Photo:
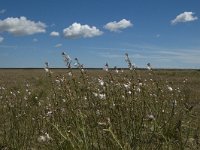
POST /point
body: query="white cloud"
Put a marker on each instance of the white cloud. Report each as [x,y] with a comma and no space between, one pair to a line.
[54,33]
[157,35]
[58,45]
[76,30]
[21,26]
[35,40]
[117,26]
[2,11]
[184,17]
[1,39]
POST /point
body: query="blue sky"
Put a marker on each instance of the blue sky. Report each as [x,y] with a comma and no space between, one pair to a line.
[164,33]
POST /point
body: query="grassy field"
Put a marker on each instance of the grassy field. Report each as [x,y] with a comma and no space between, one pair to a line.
[98,109]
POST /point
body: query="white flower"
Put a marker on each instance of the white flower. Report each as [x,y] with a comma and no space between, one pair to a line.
[75,64]
[150,117]
[140,84]
[98,112]
[47,136]
[46,69]
[49,113]
[57,81]
[101,82]
[128,85]
[70,74]
[102,96]
[106,69]
[44,138]
[169,88]
[41,138]
[138,89]
[95,94]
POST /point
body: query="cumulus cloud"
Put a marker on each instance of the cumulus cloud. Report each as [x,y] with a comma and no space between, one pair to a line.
[117,26]
[2,11]
[35,40]
[157,35]
[184,17]
[76,30]
[21,26]
[54,33]
[58,45]
[1,39]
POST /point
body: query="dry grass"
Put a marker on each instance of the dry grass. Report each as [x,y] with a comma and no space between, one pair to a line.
[83,109]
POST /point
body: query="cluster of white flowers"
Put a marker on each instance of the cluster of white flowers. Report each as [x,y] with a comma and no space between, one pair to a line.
[44,138]
[99,95]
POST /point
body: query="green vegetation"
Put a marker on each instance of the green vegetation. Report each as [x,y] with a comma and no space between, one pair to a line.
[110,109]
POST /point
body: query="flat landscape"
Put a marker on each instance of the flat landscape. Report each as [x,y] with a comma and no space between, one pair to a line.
[98,109]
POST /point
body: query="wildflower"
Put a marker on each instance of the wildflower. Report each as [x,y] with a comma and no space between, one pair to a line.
[82,70]
[101,82]
[102,123]
[169,88]
[42,138]
[138,89]
[57,81]
[150,117]
[70,74]
[127,86]
[116,70]
[98,112]
[2,88]
[130,65]
[49,113]
[46,70]
[174,102]
[149,66]
[95,94]
[102,96]
[46,67]
[106,67]
[67,59]
[47,136]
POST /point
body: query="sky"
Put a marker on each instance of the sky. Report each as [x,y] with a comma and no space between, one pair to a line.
[165,33]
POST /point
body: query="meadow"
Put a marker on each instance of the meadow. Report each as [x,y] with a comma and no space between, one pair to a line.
[84,109]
